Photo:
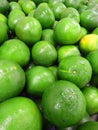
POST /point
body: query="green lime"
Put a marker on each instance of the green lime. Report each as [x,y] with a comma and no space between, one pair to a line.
[12,79]
[44,15]
[28,6]
[13,17]
[58,9]
[20,113]
[92,58]
[44,53]
[29,30]
[90,125]
[67,31]
[14,5]
[67,50]
[54,70]
[88,43]
[3,18]
[88,19]
[71,13]
[51,3]
[72,3]
[95,31]
[76,69]
[63,104]
[84,32]
[15,50]
[3,32]
[4,6]
[48,35]
[91,95]
[38,79]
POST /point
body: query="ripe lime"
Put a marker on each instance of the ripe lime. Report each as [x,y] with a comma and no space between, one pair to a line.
[14,5]
[58,9]
[28,6]
[15,50]
[29,30]
[90,125]
[71,13]
[3,18]
[63,104]
[48,35]
[88,43]
[38,79]
[4,6]
[76,69]
[92,58]
[3,32]
[13,17]
[67,31]
[67,50]
[44,15]
[91,95]
[44,53]
[20,113]
[12,79]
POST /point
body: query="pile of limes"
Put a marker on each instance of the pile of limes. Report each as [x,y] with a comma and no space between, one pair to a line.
[48,64]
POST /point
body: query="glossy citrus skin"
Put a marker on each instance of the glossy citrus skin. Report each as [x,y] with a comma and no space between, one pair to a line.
[13,17]
[44,15]
[88,43]
[72,13]
[63,104]
[91,95]
[69,69]
[38,79]
[44,53]
[20,113]
[92,58]
[67,31]
[89,125]
[67,50]
[28,30]
[3,32]
[12,79]
[15,50]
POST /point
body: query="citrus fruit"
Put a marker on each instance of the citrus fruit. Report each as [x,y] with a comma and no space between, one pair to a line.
[90,125]
[67,50]
[15,50]
[76,69]
[3,32]
[88,19]
[38,79]
[88,43]
[3,18]
[48,35]
[91,95]
[12,79]
[95,31]
[51,3]
[71,13]
[72,3]
[4,6]
[44,15]
[57,9]
[20,113]
[14,5]
[28,6]
[63,104]
[29,30]
[92,58]
[13,17]
[54,70]
[43,53]
[67,31]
